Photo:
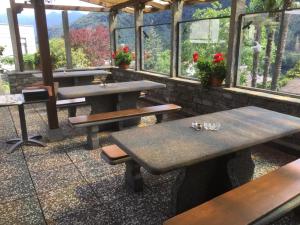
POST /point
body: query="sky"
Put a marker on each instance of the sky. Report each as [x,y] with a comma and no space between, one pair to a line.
[5,4]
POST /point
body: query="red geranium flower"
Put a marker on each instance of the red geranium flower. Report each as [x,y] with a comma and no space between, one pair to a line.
[218,58]
[126,49]
[195,56]
[113,55]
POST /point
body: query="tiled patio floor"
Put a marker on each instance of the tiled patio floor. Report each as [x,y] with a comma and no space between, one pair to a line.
[66,184]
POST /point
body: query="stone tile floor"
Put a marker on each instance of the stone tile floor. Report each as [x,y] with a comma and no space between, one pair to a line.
[66,184]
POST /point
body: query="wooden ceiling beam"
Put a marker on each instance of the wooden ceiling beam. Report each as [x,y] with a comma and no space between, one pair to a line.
[64,7]
[128,4]
[158,5]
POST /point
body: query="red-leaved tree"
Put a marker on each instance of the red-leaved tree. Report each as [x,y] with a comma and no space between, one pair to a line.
[94,41]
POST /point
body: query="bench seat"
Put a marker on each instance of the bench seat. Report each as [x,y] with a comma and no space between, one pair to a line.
[260,201]
[71,104]
[114,155]
[108,117]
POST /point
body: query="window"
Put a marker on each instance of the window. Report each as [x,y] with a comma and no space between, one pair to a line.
[206,37]
[126,37]
[156,47]
[260,58]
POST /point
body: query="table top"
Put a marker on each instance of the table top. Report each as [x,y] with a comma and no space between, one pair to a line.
[66,74]
[10,100]
[111,88]
[172,145]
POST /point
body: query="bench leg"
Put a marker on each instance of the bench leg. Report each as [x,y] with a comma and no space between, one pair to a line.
[159,118]
[92,137]
[133,176]
[72,111]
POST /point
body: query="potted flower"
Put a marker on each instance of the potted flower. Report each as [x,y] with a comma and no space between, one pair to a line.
[218,71]
[123,57]
[211,72]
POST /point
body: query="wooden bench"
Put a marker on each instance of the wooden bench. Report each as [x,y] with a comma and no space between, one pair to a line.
[114,155]
[261,201]
[71,104]
[91,122]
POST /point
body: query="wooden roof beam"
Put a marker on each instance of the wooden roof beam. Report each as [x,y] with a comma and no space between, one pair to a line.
[128,4]
[158,5]
[64,7]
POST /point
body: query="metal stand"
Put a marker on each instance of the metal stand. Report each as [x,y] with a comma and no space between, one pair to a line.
[24,139]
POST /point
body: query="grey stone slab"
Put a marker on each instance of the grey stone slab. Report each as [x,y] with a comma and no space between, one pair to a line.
[67,74]
[21,211]
[10,169]
[15,188]
[109,89]
[175,144]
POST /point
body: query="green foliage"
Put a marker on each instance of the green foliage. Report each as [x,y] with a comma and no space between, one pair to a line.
[216,10]
[7,60]
[1,50]
[204,72]
[58,55]
[219,70]
[163,62]
[123,56]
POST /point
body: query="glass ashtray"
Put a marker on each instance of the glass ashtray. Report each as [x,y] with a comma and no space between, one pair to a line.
[209,126]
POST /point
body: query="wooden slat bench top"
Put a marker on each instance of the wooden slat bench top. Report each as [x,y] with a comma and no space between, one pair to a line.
[113,152]
[248,203]
[123,114]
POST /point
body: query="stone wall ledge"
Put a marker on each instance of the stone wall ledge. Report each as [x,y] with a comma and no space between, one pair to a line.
[264,95]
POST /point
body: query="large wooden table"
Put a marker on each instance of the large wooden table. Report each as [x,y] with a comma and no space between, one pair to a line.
[210,162]
[72,78]
[112,96]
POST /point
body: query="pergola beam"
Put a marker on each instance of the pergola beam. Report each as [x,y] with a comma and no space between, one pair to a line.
[64,7]
[128,4]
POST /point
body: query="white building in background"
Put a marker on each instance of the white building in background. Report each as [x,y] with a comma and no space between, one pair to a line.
[28,40]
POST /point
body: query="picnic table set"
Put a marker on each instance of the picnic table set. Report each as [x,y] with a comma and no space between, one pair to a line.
[211,152]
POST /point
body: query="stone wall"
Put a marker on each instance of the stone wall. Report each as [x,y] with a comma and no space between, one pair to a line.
[19,80]
[196,100]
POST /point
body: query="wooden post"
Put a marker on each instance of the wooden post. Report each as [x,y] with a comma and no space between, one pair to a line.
[177,9]
[42,34]
[65,21]
[15,35]
[139,21]
[237,8]
[112,31]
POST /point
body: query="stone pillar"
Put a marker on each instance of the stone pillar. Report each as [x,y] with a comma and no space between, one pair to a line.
[237,8]
[15,36]
[112,27]
[67,40]
[139,21]
[177,9]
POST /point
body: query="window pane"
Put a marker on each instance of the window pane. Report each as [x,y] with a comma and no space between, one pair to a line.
[206,37]
[156,41]
[263,63]
[126,37]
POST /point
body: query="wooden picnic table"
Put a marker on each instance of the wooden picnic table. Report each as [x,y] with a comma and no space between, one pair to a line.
[210,162]
[112,96]
[72,78]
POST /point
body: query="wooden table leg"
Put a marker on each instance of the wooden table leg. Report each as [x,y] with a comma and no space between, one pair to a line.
[201,182]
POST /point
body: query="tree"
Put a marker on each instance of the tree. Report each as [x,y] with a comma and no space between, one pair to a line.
[94,41]
[283,33]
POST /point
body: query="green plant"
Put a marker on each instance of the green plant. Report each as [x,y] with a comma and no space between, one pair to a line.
[208,69]
[7,60]
[123,56]
[29,60]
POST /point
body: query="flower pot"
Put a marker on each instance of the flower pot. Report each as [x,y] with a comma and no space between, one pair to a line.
[124,66]
[216,82]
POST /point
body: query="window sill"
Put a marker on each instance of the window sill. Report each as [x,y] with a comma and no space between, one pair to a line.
[264,95]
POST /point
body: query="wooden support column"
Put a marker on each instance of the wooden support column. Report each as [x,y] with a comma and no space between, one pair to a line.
[65,21]
[112,31]
[139,21]
[42,34]
[237,8]
[177,9]
[15,35]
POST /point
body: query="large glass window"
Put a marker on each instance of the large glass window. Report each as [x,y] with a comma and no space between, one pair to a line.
[156,47]
[270,52]
[204,37]
[126,37]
